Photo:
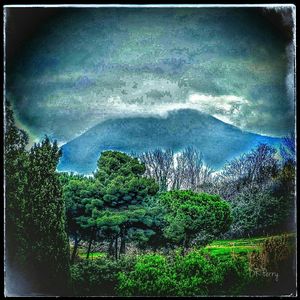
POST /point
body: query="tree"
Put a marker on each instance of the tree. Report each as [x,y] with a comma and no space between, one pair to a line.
[155,222]
[190,170]
[88,221]
[287,175]
[193,217]
[81,196]
[288,149]
[15,173]
[124,190]
[250,170]
[45,220]
[160,166]
[182,170]
[285,181]
[258,212]
[259,190]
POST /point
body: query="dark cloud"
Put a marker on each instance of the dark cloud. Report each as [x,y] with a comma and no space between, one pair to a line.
[89,65]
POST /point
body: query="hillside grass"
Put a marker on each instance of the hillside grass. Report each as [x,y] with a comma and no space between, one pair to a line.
[238,246]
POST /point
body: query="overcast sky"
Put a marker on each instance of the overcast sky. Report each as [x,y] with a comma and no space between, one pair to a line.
[85,66]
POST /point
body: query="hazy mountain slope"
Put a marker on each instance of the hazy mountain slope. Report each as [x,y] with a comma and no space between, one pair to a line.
[218,141]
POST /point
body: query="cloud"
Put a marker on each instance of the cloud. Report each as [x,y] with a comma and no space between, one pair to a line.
[225,62]
[225,107]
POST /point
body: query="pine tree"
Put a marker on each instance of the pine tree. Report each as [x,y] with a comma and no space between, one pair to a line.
[124,189]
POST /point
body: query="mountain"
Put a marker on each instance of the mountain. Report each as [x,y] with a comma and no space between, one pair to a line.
[217,140]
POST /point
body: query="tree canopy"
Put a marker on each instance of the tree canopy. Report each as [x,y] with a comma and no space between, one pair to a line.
[194,217]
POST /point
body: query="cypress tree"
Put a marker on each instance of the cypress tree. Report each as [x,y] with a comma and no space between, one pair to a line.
[45,221]
[15,174]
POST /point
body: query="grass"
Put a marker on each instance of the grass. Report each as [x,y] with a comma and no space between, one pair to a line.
[238,247]
[92,255]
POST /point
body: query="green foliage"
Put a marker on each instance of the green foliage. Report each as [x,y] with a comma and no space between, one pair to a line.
[15,166]
[82,196]
[238,247]
[120,205]
[48,245]
[114,163]
[197,273]
[124,190]
[98,277]
[284,187]
[37,243]
[83,199]
[110,205]
[192,275]
[261,192]
[122,181]
[154,220]
[258,212]
[193,217]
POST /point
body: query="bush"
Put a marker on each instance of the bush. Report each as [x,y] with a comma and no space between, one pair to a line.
[149,277]
[236,276]
[276,251]
[98,277]
[192,275]
[195,274]
[275,264]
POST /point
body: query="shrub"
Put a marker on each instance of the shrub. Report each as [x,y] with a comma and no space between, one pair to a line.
[192,275]
[275,264]
[149,277]
[98,277]
[275,252]
[236,276]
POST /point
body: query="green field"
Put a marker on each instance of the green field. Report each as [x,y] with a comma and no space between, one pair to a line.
[238,246]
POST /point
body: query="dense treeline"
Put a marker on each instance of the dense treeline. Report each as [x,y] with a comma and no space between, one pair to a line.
[138,200]
[148,215]
[120,205]
[259,185]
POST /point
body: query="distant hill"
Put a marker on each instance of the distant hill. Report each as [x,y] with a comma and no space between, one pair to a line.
[217,140]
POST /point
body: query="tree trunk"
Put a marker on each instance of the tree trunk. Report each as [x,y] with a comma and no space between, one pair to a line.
[90,244]
[123,245]
[116,247]
[76,243]
[110,247]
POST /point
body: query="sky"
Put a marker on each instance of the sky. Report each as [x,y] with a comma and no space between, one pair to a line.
[88,65]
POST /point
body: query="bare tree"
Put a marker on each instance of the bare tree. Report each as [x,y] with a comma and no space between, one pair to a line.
[251,169]
[159,165]
[191,171]
[183,170]
[288,149]
[178,177]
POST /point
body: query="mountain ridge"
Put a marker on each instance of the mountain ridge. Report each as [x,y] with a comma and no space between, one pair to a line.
[218,141]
